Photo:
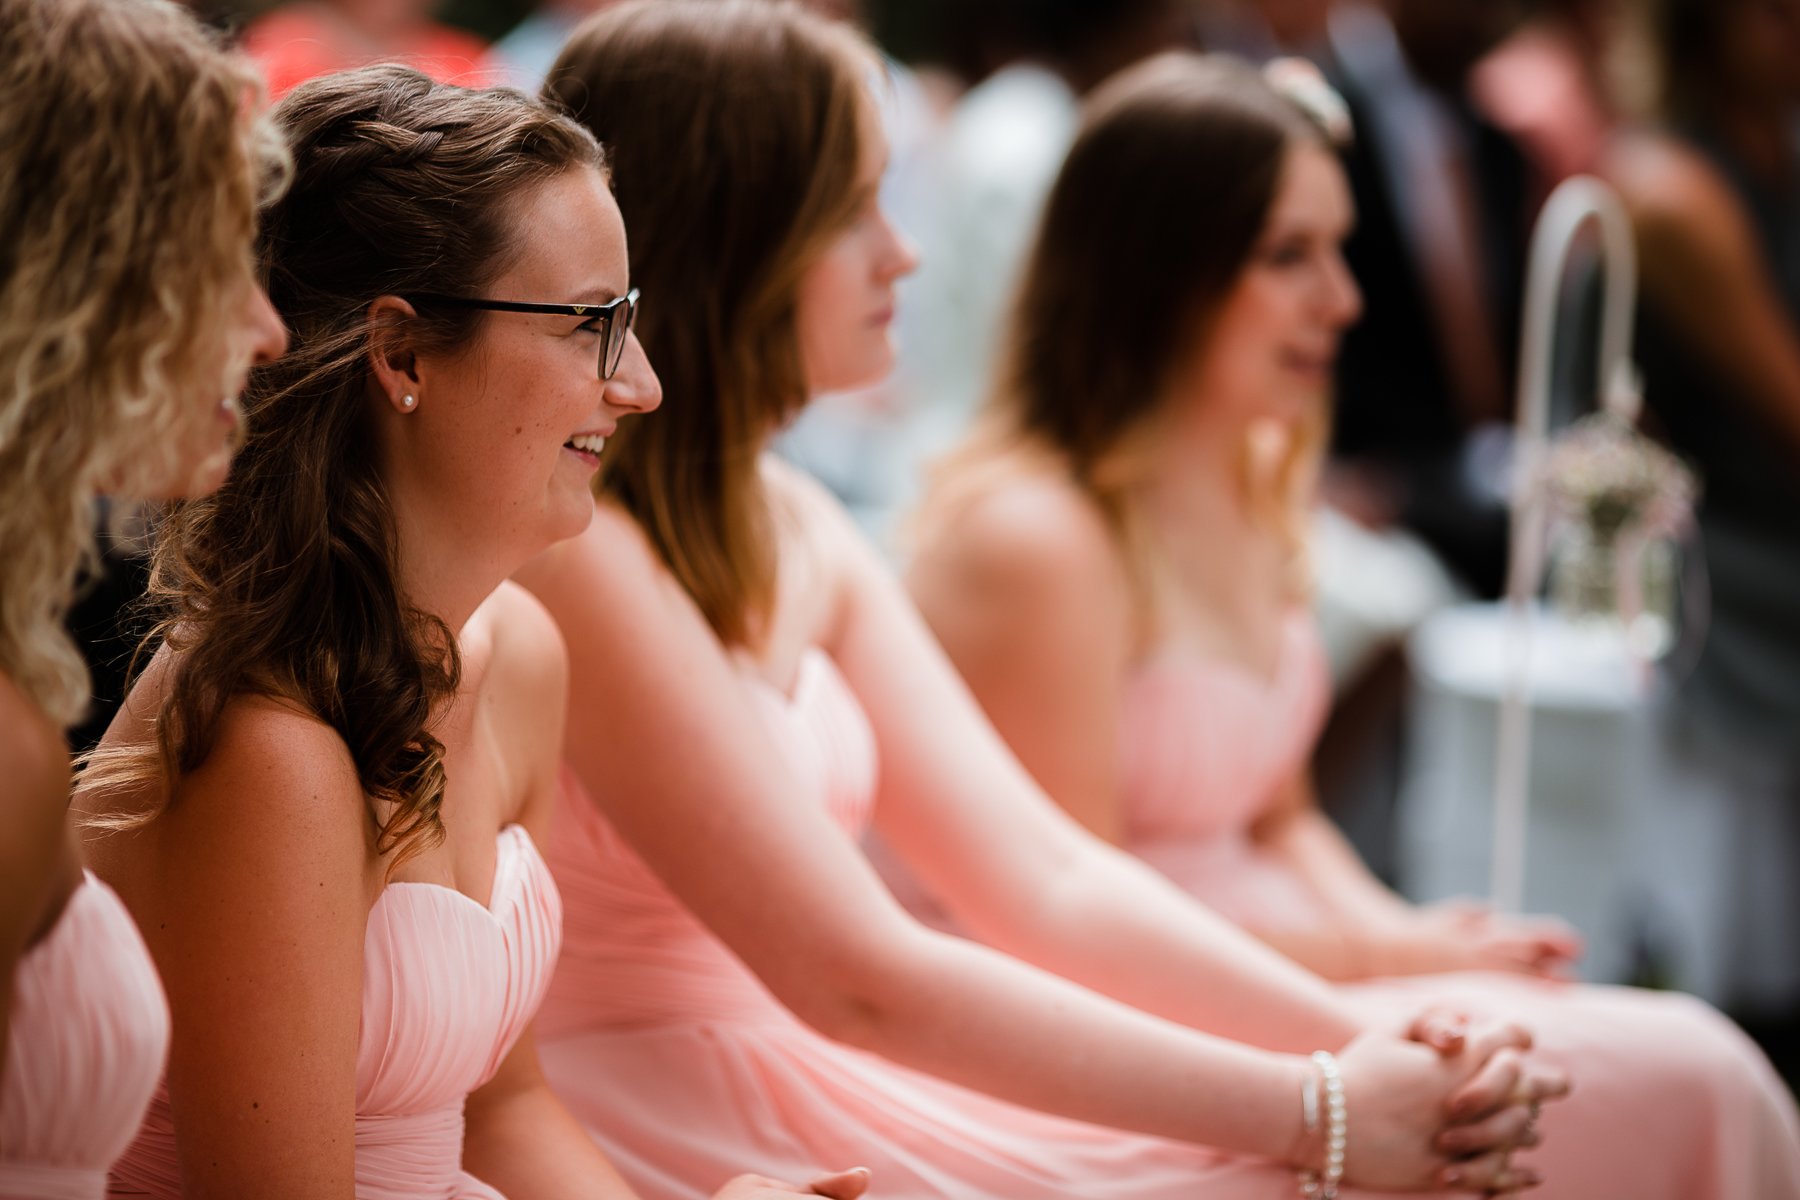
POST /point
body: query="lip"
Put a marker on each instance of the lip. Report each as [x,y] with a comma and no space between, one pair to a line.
[588,458]
[1315,364]
[882,317]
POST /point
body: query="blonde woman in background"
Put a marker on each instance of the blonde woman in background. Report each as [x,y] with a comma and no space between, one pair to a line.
[133,159]
[1116,565]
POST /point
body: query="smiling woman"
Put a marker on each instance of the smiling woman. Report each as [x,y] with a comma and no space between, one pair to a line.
[321,798]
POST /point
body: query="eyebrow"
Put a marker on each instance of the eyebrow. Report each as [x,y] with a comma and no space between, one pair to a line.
[597,294]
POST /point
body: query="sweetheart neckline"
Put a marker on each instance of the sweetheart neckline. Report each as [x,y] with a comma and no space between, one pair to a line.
[490,908]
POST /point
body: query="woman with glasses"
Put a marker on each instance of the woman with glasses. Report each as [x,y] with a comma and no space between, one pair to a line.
[750,688]
[1116,563]
[324,797]
[133,158]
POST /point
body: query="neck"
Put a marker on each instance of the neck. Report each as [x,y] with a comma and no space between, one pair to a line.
[441,572]
[1193,509]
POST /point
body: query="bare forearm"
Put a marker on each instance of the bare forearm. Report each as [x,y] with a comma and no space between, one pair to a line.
[1042,1042]
[1322,858]
[1114,925]
[528,1146]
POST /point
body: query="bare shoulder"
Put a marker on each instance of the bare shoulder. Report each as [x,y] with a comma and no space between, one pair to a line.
[1669,186]
[605,561]
[1029,535]
[34,759]
[529,653]
[277,797]
[34,854]
[793,491]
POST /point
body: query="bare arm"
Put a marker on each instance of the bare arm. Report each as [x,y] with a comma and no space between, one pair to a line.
[518,1135]
[37,864]
[1024,591]
[1374,932]
[1704,269]
[664,735]
[978,831]
[253,893]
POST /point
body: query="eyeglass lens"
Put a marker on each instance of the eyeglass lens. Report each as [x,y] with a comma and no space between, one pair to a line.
[618,325]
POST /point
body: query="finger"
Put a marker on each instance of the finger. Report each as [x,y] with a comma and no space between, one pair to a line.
[1447,1035]
[1444,1030]
[1539,1082]
[1487,1037]
[1490,1088]
[844,1185]
[1489,1174]
[1505,1131]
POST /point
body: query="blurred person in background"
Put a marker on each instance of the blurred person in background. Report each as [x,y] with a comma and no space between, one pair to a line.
[1559,85]
[1117,563]
[1714,194]
[523,56]
[304,38]
[1439,248]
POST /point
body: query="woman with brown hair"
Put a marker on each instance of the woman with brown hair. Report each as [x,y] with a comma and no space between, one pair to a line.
[750,688]
[1116,563]
[323,797]
[133,158]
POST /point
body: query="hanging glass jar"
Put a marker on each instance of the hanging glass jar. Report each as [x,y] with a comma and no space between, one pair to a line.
[1619,505]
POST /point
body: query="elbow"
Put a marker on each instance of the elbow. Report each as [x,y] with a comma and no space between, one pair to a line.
[866,995]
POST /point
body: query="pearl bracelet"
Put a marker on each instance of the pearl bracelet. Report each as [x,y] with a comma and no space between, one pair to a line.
[1323,1185]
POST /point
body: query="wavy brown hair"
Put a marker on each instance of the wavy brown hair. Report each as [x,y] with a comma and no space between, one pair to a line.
[284,582]
[132,164]
[735,133]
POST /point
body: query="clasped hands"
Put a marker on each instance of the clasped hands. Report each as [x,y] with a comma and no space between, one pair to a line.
[1443,1106]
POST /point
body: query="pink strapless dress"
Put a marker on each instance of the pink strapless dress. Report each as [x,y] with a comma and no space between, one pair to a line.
[688,1071]
[1671,1100]
[448,986]
[87,1037]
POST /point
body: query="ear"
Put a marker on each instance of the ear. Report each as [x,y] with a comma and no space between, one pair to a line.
[393,367]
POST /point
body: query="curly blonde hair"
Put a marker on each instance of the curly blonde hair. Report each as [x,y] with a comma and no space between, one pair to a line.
[133,161]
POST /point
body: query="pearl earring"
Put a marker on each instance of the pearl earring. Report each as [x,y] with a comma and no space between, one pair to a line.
[408,402]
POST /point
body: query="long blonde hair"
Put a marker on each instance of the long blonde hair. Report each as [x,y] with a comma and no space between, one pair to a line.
[735,136]
[132,166]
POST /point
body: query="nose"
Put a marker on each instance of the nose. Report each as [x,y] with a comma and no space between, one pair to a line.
[1343,298]
[268,336]
[900,253]
[634,387]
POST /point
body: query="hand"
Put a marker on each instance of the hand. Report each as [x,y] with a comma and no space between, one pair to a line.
[1404,1096]
[1462,936]
[844,1185]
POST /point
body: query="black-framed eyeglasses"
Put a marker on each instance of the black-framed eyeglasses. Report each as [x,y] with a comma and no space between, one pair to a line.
[612,343]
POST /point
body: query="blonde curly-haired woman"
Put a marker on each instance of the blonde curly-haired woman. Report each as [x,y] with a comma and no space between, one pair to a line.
[133,159]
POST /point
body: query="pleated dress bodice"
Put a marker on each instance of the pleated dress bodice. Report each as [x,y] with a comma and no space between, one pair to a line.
[448,986]
[87,1036]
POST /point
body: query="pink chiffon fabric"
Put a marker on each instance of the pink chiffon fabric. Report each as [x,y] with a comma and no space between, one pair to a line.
[87,1035]
[448,986]
[687,1070]
[1671,1099]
